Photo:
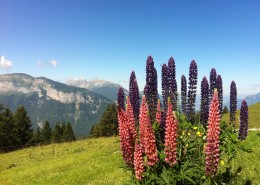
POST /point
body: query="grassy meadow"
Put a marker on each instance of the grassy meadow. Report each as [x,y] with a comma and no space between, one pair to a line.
[95,161]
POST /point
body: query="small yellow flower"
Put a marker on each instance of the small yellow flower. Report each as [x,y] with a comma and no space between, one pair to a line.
[188,134]
[222,162]
[195,128]
[183,133]
[181,137]
[198,133]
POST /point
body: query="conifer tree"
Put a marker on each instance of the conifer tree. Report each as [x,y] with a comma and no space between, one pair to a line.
[22,127]
[57,133]
[68,134]
[37,138]
[46,133]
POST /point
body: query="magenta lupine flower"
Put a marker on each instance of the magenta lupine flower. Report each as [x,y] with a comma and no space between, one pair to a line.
[126,140]
[233,103]
[213,132]
[134,94]
[147,135]
[138,162]
[170,149]
[183,93]
[158,113]
[243,121]
[193,76]
[121,98]
[204,105]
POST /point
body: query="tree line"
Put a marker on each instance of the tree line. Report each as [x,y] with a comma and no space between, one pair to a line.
[16,131]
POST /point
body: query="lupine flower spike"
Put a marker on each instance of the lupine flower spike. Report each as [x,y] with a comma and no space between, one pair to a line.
[138,162]
[213,132]
[170,149]
[147,135]
[243,121]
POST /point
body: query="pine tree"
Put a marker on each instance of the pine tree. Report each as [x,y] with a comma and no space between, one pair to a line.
[37,138]
[46,133]
[68,134]
[57,133]
[22,127]
[225,110]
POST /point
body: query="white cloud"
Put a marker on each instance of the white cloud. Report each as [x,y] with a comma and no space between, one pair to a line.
[5,64]
[39,63]
[53,63]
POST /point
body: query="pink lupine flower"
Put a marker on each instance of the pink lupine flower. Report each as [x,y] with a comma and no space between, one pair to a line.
[126,140]
[147,135]
[158,113]
[131,120]
[138,162]
[213,132]
[171,136]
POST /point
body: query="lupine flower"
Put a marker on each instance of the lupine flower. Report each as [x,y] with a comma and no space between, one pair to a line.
[138,162]
[126,140]
[170,149]
[172,84]
[131,120]
[204,101]
[134,94]
[121,98]
[212,82]
[162,125]
[193,76]
[158,113]
[165,93]
[243,121]
[183,93]
[213,132]
[151,91]
[219,86]
[233,103]
[147,135]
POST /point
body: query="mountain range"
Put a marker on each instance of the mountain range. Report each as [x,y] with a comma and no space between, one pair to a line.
[45,99]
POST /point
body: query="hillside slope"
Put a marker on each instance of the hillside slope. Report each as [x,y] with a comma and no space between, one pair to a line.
[45,99]
[253,113]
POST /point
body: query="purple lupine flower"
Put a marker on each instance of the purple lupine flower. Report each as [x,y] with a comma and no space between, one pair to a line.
[193,76]
[243,121]
[204,101]
[165,93]
[213,132]
[219,86]
[163,125]
[183,93]
[121,98]
[134,94]
[212,82]
[172,83]
[233,103]
[151,91]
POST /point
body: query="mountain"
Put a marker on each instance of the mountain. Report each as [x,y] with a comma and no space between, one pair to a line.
[105,88]
[250,99]
[45,99]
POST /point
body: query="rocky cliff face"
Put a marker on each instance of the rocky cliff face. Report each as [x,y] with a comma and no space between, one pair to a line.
[45,99]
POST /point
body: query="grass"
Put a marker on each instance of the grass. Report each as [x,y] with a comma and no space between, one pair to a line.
[94,162]
[253,113]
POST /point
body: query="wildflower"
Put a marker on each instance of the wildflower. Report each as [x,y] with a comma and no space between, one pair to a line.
[131,119]
[213,132]
[222,162]
[195,128]
[138,162]
[243,121]
[188,134]
[183,133]
[198,133]
[171,136]
[147,135]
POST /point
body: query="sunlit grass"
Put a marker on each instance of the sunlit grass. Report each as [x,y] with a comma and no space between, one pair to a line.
[95,161]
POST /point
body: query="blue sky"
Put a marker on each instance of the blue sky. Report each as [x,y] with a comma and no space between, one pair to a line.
[65,39]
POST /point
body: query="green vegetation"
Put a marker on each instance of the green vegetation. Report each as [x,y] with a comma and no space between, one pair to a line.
[253,114]
[96,161]
[91,161]
[107,125]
